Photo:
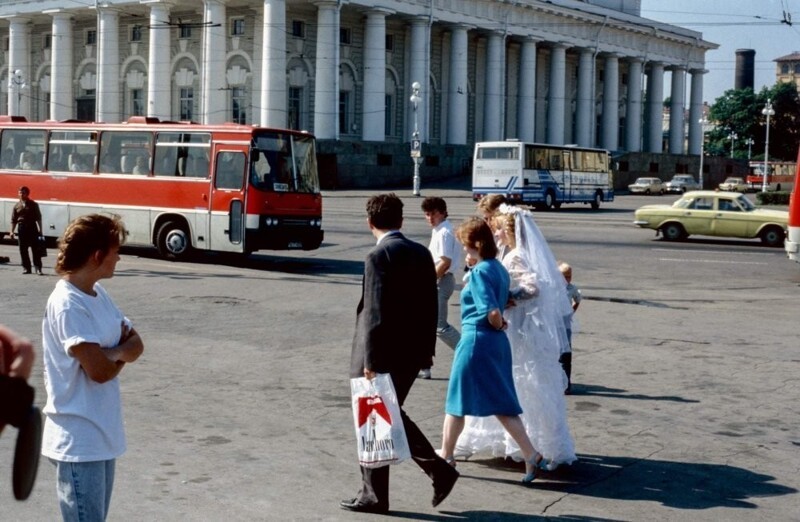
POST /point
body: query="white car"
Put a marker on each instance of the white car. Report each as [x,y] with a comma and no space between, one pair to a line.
[682,183]
[734,185]
[646,186]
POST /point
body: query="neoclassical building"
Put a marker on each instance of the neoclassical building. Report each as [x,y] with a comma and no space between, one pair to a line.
[588,72]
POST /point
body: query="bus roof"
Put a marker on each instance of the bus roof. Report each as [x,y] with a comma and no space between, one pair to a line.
[514,142]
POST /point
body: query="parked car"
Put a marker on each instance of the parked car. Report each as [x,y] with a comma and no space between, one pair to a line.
[646,186]
[712,213]
[734,185]
[682,183]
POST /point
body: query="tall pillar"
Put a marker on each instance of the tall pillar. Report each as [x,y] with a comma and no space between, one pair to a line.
[459,92]
[215,109]
[61,77]
[526,110]
[373,117]
[556,97]
[495,70]
[611,102]
[696,112]
[326,84]
[108,86]
[158,67]
[676,107]
[273,65]
[419,71]
[584,117]
[633,109]
[655,100]
[19,59]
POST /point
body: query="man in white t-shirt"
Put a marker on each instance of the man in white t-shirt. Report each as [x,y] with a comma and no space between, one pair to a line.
[446,252]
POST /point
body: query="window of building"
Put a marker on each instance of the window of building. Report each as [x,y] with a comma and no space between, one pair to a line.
[785,68]
[238,105]
[187,103]
[91,37]
[137,102]
[296,108]
[185,31]
[298,29]
[237,27]
[5,43]
[389,115]
[389,42]
[653,167]
[797,68]
[344,112]
[136,33]
[345,36]
[47,41]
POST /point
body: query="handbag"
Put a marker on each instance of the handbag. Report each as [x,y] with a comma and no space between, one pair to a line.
[41,246]
[380,435]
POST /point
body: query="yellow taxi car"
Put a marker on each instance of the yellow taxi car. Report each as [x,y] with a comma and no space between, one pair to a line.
[712,213]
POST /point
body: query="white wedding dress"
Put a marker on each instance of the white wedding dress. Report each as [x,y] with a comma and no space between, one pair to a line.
[537,334]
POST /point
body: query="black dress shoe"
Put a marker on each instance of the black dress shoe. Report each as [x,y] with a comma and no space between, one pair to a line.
[26,272]
[354,504]
[442,486]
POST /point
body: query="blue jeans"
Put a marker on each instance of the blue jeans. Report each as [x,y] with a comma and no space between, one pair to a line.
[84,489]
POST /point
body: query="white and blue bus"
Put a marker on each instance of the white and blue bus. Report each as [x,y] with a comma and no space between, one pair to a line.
[544,176]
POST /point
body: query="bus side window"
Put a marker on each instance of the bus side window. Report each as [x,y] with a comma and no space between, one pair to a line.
[230,170]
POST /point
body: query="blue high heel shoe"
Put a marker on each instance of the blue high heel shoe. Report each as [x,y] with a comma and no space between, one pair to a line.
[535,464]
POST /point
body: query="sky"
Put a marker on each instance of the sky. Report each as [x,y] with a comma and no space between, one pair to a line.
[734,24]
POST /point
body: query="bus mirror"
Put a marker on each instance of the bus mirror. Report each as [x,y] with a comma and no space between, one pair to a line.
[255,153]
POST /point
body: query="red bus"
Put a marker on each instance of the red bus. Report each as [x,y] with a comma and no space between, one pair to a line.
[178,186]
[792,243]
[779,177]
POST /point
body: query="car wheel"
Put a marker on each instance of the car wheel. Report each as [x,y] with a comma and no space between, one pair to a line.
[173,241]
[598,198]
[661,193]
[673,231]
[683,189]
[773,236]
[647,192]
[549,200]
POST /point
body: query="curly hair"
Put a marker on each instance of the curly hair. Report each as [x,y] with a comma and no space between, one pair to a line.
[489,203]
[506,222]
[86,235]
[475,233]
[385,211]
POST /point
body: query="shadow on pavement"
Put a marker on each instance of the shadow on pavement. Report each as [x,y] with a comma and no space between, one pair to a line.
[488,516]
[679,485]
[603,391]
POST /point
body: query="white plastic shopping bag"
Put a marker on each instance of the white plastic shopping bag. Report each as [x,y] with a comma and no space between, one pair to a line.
[380,434]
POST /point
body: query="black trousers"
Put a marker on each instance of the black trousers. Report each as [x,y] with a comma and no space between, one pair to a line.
[375,481]
[27,238]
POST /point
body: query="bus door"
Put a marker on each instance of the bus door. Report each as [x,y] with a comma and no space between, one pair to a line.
[226,220]
[566,177]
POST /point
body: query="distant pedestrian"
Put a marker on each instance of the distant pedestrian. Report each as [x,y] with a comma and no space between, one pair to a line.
[574,295]
[26,219]
[447,253]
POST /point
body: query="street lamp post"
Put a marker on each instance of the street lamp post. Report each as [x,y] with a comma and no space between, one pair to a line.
[416,144]
[16,82]
[749,142]
[732,136]
[703,122]
[766,111]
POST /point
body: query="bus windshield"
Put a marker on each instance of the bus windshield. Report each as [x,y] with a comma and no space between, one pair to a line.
[283,162]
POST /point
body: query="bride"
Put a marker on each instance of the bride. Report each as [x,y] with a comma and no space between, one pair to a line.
[537,333]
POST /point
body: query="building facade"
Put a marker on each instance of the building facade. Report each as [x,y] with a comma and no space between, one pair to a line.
[588,72]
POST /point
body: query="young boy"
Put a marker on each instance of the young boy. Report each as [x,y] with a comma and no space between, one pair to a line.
[574,295]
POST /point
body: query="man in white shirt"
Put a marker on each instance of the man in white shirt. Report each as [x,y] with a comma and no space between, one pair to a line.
[446,252]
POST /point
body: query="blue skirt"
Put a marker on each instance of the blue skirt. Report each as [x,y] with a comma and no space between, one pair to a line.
[481,381]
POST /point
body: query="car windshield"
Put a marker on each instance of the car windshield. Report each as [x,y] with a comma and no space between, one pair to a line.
[284,162]
[745,203]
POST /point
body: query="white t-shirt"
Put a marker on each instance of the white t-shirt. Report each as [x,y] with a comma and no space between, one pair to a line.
[84,417]
[444,244]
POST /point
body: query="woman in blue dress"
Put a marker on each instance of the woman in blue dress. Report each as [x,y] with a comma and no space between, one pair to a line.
[481,380]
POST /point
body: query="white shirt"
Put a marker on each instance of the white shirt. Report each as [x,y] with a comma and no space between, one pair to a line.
[84,417]
[444,244]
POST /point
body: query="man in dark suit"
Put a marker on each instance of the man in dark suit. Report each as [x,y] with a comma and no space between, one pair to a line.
[396,334]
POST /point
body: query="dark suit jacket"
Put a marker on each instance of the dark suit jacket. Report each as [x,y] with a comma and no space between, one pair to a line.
[396,318]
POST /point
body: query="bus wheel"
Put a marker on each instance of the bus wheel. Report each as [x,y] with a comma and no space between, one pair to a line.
[673,232]
[773,236]
[173,241]
[598,198]
[549,200]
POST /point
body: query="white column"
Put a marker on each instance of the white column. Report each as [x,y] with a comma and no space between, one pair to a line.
[273,65]
[419,71]
[556,100]
[696,112]
[108,86]
[655,100]
[373,117]
[459,93]
[633,109]
[159,81]
[584,117]
[61,77]
[495,69]
[611,102]
[676,107]
[19,59]
[527,92]
[215,97]
[326,90]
